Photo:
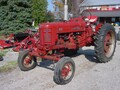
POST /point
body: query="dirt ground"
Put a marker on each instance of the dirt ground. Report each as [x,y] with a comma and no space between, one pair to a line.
[89,74]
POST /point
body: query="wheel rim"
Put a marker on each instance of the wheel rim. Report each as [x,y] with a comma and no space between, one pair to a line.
[28,62]
[109,43]
[67,71]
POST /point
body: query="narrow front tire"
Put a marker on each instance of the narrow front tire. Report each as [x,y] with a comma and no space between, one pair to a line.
[25,61]
[64,71]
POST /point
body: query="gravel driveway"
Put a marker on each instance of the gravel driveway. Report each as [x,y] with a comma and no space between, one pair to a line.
[89,75]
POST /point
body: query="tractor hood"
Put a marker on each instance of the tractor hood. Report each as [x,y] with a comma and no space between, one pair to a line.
[64,26]
[52,24]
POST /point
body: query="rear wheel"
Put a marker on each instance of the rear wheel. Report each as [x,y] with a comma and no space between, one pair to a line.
[25,61]
[64,71]
[105,43]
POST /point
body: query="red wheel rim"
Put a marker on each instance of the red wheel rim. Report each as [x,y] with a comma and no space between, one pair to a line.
[67,71]
[109,43]
[28,61]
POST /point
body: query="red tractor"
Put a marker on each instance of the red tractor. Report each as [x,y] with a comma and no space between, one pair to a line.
[58,40]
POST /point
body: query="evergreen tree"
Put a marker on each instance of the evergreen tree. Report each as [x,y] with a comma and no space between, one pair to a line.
[39,10]
[15,15]
[50,16]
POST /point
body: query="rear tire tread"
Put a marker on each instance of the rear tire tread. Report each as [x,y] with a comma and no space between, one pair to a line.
[99,43]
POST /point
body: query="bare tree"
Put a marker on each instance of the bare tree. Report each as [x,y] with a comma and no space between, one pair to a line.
[75,7]
[72,4]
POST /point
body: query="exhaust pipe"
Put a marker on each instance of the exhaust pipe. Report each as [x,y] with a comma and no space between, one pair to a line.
[66,11]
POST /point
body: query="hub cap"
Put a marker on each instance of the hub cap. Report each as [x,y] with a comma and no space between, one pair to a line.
[109,43]
[67,71]
[28,61]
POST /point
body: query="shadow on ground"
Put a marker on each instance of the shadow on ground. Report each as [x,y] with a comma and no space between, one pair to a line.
[48,64]
[89,55]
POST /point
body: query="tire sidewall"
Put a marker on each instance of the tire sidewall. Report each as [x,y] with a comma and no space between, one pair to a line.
[21,57]
[66,81]
[59,67]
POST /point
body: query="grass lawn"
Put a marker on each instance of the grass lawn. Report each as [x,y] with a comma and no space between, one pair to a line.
[3,52]
[8,67]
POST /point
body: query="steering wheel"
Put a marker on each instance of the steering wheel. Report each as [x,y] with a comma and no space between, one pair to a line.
[86,15]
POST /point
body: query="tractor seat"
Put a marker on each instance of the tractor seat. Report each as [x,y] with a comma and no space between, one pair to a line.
[92,19]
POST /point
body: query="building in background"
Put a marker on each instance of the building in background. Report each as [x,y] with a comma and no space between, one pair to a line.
[108,11]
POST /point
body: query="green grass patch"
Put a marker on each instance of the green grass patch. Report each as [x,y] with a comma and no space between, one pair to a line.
[3,52]
[9,66]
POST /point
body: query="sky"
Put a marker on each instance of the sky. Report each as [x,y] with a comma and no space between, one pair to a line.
[50,5]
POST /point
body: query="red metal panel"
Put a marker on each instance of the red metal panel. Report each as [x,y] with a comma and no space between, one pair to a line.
[48,35]
[3,44]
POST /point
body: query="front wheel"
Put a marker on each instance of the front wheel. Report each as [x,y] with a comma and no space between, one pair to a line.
[64,71]
[25,61]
